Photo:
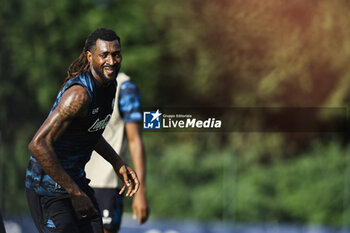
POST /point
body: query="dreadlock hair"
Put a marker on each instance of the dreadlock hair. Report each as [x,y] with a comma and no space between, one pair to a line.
[81,63]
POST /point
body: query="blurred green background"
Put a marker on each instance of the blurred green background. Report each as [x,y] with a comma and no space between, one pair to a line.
[207,53]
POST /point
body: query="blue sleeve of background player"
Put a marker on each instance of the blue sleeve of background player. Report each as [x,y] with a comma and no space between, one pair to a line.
[129,102]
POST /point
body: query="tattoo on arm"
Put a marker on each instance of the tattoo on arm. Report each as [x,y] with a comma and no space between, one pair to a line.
[74,103]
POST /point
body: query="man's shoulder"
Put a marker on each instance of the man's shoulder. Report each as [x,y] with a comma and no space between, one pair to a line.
[82,81]
[83,78]
[122,77]
[126,83]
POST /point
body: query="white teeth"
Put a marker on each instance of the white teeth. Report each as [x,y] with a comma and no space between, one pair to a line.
[108,70]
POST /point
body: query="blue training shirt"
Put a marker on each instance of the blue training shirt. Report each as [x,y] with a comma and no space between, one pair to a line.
[129,102]
[74,147]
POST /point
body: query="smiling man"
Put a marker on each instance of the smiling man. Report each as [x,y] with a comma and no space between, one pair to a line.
[59,197]
[105,61]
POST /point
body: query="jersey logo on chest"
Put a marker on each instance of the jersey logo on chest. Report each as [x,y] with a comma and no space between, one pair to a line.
[95,110]
[99,124]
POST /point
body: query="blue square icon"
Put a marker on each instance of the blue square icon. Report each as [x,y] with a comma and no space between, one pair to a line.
[151,120]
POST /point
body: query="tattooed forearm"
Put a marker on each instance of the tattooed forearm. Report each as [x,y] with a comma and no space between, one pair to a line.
[74,102]
[46,157]
[53,168]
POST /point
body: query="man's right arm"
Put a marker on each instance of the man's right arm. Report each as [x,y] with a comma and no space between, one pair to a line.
[74,103]
[137,151]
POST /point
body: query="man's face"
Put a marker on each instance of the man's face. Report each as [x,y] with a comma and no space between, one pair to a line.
[105,60]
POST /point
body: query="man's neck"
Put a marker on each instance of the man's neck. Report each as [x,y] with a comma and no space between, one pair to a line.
[99,79]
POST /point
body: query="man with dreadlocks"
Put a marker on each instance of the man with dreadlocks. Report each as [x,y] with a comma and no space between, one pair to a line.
[58,194]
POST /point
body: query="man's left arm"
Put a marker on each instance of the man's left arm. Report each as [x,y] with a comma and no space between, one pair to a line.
[137,151]
[125,173]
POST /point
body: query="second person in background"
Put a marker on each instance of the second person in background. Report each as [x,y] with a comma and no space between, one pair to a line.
[122,129]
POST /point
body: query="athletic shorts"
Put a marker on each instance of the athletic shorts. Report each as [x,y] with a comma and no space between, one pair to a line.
[111,207]
[56,214]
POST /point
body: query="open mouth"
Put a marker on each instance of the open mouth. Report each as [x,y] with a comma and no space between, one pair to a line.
[109,70]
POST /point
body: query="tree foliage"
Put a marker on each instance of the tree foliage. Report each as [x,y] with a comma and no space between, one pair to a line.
[194,53]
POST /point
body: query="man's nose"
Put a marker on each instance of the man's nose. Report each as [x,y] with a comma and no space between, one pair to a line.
[111,60]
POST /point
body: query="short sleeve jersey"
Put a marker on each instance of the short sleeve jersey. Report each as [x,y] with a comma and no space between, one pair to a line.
[129,102]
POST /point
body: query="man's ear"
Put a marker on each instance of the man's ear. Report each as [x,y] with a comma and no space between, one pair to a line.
[89,56]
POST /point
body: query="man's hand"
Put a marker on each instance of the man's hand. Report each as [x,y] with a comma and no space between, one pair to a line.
[83,206]
[125,173]
[130,180]
[140,206]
